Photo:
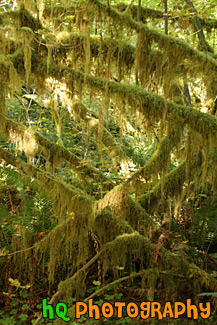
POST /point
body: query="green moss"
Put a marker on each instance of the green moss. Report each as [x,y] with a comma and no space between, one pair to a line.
[56,152]
[27,37]
[173,183]
[175,49]
[151,106]
[27,20]
[108,226]
[117,251]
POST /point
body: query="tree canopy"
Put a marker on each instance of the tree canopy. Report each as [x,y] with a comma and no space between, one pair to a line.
[108,146]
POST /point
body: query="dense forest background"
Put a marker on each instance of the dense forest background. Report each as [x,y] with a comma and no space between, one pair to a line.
[108,157]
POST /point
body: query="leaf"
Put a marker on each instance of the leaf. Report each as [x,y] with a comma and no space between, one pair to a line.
[23,317]
[14,283]
[25,307]
[14,303]
[13,311]
[24,293]
[99,302]
[96,283]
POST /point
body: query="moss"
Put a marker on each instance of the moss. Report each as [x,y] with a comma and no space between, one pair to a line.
[156,165]
[70,236]
[150,105]
[40,7]
[84,170]
[191,274]
[27,37]
[175,49]
[9,80]
[17,58]
[55,113]
[102,135]
[143,57]
[87,48]
[59,245]
[109,226]
[145,13]
[2,107]
[27,20]
[172,184]
[117,251]
[49,57]
[100,131]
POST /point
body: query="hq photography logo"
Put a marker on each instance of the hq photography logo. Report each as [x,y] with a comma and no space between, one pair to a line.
[144,310]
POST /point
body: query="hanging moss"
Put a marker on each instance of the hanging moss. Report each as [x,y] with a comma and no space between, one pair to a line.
[116,252]
[172,184]
[87,48]
[150,105]
[61,244]
[2,107]
[143,57]
[100,131]
[55,114]
[27,37]
[176,49]
[49,57]
[84,170]
[8,78]
[40,7]
[27,20]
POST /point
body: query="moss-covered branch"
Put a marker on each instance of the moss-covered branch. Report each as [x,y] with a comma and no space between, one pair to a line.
[66,198]
[171,185]
[178,48]
[20,18]
[117,154]
[173,270]
[155,166]
[148,13]
[61,12]
[118,199]
[121,204]
[153,107]
[19,133]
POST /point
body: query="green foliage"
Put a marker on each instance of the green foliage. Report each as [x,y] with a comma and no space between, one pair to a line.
[22,207]
[203,232]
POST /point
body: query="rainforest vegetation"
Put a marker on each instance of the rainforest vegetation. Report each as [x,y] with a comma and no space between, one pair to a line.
[108,156]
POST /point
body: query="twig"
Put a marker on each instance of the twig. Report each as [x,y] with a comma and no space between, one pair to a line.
[132,275]
[59,293]
[22,250]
